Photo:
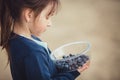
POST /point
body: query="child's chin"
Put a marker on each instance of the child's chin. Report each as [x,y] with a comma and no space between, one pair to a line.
[40,32]
[45,30]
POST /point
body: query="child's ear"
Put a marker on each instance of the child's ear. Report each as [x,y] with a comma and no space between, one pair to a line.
[28,15]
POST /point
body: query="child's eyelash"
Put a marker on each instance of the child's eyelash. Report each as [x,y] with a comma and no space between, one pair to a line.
[47,17]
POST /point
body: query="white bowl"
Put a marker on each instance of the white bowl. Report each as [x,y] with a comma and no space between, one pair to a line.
[70,56]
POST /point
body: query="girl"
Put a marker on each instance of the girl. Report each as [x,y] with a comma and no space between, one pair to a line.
[22,22]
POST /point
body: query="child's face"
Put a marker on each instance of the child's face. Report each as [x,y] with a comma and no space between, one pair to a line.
[42,21]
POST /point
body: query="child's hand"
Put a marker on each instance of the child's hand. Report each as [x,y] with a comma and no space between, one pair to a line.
[84,67]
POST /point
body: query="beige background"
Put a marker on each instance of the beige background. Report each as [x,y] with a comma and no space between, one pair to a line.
[97,21]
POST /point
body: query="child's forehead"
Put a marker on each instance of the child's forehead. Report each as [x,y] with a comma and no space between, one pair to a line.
[49,9]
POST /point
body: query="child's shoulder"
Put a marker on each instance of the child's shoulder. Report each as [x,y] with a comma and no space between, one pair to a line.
[22,44]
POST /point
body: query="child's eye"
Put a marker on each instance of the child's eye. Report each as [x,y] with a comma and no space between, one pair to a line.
[47,17]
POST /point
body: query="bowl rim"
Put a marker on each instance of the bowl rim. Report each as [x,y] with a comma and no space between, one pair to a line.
[76,42]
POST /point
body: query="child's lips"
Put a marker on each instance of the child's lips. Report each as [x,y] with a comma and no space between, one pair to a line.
[48,25]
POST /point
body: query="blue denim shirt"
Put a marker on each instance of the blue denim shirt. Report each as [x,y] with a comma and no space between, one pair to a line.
[30,60]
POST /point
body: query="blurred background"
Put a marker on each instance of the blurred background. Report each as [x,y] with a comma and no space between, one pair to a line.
[96,21]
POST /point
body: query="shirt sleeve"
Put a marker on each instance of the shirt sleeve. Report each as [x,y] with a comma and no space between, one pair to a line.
[36,68]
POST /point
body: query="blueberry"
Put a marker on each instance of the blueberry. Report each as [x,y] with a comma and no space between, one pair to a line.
[71,55]
[79,59]
[64,57]
[72,64]
[66,65]
[79,64]
[84,58]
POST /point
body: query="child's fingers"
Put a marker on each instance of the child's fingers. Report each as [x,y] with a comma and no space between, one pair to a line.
[84,67]
[88,63]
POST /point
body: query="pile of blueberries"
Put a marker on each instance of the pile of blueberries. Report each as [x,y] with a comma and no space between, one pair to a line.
[68,63]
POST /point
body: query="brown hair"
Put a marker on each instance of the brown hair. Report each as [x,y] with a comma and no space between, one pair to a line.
[10,11]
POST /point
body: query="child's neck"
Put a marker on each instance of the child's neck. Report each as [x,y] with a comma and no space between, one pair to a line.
[22,30]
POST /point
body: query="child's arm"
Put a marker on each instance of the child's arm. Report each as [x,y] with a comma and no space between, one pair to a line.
[36,66]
